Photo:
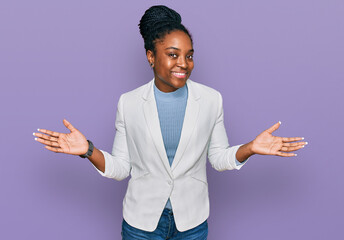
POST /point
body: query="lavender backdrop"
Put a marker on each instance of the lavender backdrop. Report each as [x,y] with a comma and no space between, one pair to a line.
[271,60]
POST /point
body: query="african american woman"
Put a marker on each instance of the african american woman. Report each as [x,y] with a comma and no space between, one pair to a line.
[165,131]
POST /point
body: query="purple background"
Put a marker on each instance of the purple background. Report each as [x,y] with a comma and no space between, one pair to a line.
[271,60]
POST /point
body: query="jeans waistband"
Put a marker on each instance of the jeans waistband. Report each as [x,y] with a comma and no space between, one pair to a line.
[168,211]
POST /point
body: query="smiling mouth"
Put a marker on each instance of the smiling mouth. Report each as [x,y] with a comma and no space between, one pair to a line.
[179,74]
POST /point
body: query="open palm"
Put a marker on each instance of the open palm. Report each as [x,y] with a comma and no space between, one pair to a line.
[71,143]
[267,144]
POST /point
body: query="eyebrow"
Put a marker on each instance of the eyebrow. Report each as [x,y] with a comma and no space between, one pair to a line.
[191,50]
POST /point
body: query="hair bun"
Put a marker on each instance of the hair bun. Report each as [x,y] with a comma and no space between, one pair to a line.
[156,22]
[156,17]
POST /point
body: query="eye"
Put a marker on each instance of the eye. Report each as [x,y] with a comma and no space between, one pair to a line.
[172,55]
[190,57]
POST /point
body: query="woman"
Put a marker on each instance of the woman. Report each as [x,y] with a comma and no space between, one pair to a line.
[165,130]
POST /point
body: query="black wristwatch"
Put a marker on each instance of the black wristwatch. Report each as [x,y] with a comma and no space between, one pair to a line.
[90,150]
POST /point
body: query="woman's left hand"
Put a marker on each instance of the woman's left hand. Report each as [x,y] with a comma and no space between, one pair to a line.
[266,144]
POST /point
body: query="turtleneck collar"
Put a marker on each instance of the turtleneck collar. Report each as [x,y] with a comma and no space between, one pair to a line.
[179,94]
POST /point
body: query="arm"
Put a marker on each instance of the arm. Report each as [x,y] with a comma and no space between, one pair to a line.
[98,160]
[117,164]
[244,152]
[221,155]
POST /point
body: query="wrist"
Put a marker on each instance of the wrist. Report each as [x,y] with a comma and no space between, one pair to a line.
[89,151]
[250,147]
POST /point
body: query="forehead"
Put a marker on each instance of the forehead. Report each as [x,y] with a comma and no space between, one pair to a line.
[177,39]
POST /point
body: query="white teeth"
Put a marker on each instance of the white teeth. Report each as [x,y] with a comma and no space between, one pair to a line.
[179,74]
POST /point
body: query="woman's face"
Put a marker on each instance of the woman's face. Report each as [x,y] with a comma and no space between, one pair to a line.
[173,61]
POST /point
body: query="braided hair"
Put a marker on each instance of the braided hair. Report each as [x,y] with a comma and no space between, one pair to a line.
[158,21]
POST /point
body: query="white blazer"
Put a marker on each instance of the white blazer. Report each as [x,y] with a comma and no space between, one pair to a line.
[138,150]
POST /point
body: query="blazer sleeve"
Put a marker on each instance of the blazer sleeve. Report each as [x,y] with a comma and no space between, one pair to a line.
[221,155]
[117,164]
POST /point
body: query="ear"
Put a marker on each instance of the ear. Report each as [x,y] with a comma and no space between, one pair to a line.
[150,57]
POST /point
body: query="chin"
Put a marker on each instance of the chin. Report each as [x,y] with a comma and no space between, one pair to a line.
[179,83]
[172,84]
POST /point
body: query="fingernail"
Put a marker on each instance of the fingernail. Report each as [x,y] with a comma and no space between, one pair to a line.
[306,143]
[295,154]
[35,139]
[33,134]
[38,129]
[279,122]
[303,138]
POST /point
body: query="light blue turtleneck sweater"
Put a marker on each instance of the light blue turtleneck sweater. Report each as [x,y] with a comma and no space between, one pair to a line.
[171,110]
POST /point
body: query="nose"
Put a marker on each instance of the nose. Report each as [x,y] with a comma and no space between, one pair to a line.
[182,62]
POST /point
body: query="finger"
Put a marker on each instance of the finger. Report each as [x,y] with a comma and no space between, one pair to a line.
[69,125]
[294,144]
[290,149]
[291,139]
[274,127]
[51,133]
[47,142]
[57,150]
[283,154]
[50,138]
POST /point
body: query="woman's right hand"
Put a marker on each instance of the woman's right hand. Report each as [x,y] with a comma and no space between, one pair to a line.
[71,143]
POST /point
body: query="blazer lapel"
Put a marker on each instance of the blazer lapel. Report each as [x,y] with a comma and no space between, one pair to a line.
[190,119]
[153,124]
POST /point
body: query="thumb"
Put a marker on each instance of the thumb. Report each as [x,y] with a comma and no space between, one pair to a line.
[274,127]
[69,125]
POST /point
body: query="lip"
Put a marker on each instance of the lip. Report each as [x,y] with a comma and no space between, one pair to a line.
[179,74]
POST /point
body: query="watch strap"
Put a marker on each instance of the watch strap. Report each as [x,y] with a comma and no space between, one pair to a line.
[89,151]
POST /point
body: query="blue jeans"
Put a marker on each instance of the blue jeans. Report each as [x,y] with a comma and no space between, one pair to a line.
[166,230]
